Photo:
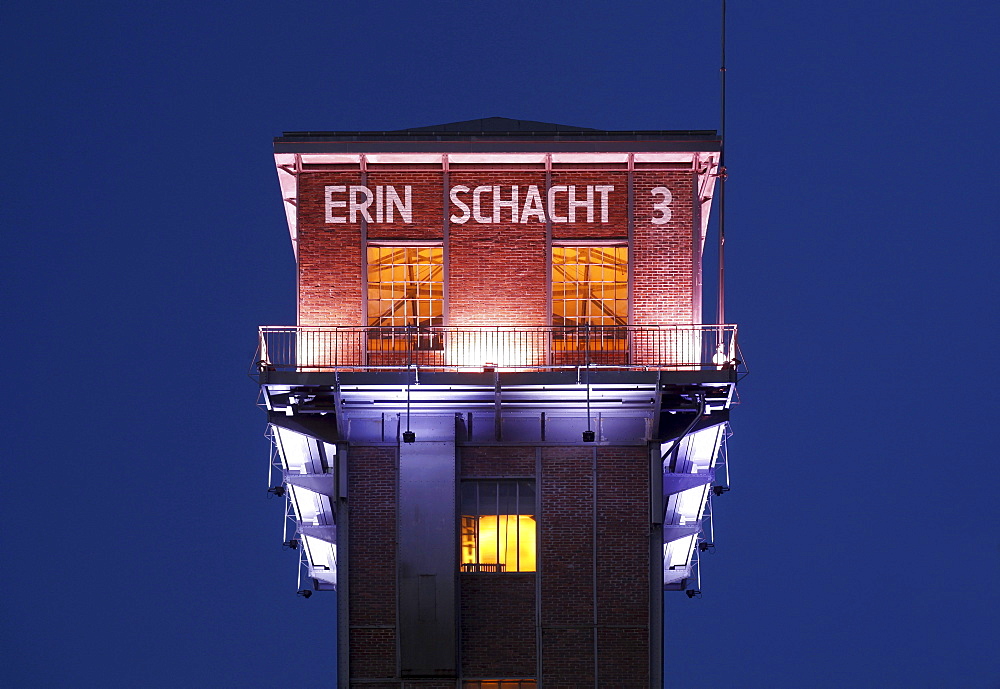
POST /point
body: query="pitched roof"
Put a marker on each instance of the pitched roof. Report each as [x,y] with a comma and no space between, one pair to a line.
[497,134]
[499,124]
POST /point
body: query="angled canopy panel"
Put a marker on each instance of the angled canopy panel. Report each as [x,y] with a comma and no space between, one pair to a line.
[317,483]
[677,483]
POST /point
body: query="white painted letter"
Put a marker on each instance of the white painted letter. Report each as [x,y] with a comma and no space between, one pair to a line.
[574,204]
[663,207]
[353,206]
[603,190]
[512,204]
[476,206]
[552,203]
[533,205]
[405,207]
[331,204]
[464,217]
[379,202]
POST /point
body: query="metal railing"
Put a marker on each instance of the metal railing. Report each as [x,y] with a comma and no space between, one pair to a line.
[512,348]
[483,567]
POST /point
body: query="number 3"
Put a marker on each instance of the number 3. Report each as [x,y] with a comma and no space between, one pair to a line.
[662,206]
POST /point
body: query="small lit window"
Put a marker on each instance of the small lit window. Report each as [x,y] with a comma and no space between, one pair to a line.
[498,527]
[499,684]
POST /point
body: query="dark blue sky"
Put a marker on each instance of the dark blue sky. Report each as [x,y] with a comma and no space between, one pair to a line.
[144,241]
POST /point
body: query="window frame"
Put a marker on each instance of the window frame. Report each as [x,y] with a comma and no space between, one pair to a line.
[503,547]
[584,334]
[413,331]
[619,316]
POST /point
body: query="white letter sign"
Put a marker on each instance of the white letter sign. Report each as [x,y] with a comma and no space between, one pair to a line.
[331,204]
[662,207]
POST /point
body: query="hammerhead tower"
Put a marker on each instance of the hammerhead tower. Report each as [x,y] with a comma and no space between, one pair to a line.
[499,418]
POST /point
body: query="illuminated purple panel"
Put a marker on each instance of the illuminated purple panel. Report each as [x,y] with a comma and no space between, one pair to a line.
[676,483]
[672,532]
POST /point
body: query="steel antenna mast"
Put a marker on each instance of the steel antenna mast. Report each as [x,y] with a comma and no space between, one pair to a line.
[721,307]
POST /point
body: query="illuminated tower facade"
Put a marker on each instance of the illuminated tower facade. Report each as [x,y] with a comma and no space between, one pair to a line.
[499,417]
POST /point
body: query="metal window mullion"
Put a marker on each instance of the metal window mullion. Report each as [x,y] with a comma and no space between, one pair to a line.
[517,525]
[446,231]
[630,309]
[498,524]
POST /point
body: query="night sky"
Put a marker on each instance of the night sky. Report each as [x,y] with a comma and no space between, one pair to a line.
[145,241]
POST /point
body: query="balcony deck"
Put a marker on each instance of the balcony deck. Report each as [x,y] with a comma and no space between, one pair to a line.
[309,349]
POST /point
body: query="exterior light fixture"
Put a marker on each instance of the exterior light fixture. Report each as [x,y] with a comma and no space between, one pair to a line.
[693,593]
[706,547]
[409,436]
[276,490]
[588,435]
[305,593]
[292,544]
[719,490]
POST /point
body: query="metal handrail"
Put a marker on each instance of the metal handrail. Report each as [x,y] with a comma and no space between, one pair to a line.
[509,348]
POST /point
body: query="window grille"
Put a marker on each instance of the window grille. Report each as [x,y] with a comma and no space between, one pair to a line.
[499,684]
[590,298]
[498,526]
[590,285]
[405,292]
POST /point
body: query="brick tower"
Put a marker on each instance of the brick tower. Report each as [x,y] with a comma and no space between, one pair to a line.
[499,415]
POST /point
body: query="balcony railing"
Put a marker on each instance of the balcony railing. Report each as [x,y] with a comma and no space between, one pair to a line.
[510,348]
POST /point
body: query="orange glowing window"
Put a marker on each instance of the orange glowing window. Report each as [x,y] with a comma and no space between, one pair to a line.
[590,285]
[498,526]
[405,286]
[499,684]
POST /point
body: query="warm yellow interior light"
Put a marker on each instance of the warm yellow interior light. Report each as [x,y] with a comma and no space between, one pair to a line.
[503,543]
[405,285]
[590,285]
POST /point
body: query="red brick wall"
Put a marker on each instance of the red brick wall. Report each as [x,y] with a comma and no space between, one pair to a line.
[428,190]
[661,255]
[623,658]
[498,625]
[567,658]
[371,490]
[567,581]
[623,567]
[497,462]
[330,259]
[498,611]
[498,272]
[617,225]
